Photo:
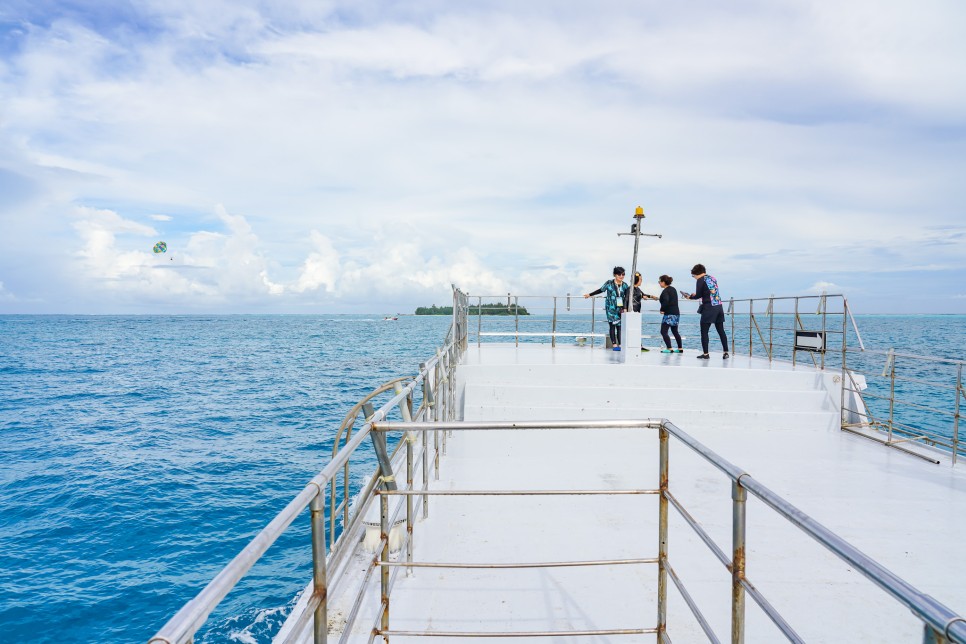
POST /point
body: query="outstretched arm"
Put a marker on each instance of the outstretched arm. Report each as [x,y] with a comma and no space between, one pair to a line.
[700,290]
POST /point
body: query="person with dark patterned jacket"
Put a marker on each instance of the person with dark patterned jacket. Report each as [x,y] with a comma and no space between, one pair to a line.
[614,291]
[711,310]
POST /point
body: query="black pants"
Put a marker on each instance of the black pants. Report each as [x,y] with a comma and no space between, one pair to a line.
[615,333]
[667,339]
[718,322]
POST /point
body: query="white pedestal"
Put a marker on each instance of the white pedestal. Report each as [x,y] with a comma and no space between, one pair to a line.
[630,337]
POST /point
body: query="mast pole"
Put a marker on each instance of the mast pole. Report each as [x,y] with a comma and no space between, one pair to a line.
[637,234]
[638,220]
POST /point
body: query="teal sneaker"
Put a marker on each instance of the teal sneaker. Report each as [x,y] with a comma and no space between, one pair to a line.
[667,350]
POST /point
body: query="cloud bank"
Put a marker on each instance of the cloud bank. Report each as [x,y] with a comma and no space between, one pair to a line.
[364,156]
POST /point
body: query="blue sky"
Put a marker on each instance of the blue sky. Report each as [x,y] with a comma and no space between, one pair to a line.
[362,156]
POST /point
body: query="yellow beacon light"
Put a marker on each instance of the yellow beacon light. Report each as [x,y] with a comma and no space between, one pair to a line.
[639,212]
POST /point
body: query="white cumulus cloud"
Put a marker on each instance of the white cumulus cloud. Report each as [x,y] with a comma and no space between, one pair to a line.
[321,268]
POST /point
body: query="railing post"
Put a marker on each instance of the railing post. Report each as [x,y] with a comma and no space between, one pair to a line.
[440,397]
[771,326]
[454,360]
[739,496]
[464,321]
[553,325]
[751,320]
[516,319]
[892,389]
[662,536]
[794,332]
[425,473]
[845,344]
[449,392]
[593,321]
[855,327]
[384,558]
[333,501]
[410,438]
[320,588]
[959,392]
[824,306]
[731,313]
[427,405]
[479,320]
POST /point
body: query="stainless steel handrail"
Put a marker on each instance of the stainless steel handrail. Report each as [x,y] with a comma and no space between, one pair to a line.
[181,628]
[940,623]
[889,419]
[828,314]
[188,620]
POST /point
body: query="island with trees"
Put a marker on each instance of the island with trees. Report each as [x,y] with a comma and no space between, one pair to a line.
[485,309]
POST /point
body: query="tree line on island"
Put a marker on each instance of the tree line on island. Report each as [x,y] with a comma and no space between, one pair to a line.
[485,309]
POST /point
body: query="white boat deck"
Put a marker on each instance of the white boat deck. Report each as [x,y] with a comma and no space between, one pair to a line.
[777,422]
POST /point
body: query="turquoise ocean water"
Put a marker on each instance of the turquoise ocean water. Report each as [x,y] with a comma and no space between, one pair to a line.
[140,453]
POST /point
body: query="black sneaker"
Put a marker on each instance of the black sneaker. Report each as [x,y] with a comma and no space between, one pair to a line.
[725,356]
[704,356]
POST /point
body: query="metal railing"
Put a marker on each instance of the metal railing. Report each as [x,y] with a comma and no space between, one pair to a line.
[435,413]
[913,399]
[940,624]
[772,328]
[562,314]
[889,409]
[436,379]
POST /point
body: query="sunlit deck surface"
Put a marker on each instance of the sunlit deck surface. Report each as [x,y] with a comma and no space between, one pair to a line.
[777,422]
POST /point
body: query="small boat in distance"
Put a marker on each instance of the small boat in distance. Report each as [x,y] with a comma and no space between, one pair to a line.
[390,318]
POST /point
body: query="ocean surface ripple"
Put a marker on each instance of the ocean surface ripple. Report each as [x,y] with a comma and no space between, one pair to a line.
[141,453]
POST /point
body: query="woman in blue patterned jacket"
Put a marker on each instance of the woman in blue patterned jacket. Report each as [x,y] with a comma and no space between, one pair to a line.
[614,291]
[711,310]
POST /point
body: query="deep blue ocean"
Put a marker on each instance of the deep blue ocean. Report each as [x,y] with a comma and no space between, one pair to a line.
[139,454]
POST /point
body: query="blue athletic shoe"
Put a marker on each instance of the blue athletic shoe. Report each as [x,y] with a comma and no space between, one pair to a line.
[617,348]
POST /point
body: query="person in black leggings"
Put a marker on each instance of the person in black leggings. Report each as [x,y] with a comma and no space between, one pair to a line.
[671,313]
[711,310]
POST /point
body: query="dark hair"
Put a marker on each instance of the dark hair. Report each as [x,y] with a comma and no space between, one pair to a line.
[667,279]
[698,269]
[618,270]
[638,278]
